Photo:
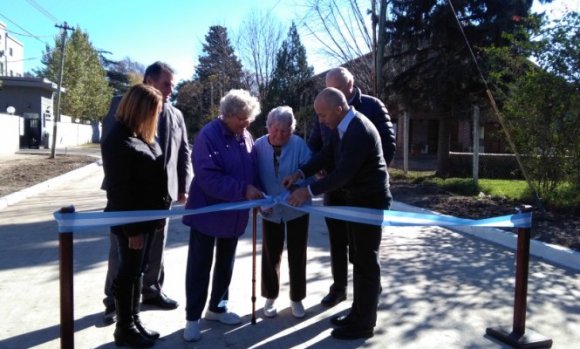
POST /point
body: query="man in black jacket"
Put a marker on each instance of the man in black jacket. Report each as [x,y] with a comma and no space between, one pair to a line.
[172,138]
[341,79]
[355,154]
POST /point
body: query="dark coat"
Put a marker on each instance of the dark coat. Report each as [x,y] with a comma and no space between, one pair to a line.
[173,142]
[136,178]
[359,167]
[375,111]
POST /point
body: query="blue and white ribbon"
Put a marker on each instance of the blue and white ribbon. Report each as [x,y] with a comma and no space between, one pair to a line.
[78,221]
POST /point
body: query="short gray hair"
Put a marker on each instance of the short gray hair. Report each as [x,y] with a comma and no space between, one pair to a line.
[281,115]
[237,102]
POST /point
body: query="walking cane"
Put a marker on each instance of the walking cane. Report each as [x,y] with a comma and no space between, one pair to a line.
[254,218]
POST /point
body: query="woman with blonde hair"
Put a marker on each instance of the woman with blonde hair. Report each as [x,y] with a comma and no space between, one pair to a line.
[133,165]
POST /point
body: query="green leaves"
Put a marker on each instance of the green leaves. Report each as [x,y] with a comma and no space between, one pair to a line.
[87,93]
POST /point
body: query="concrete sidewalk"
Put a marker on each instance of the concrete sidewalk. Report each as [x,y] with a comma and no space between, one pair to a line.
[441,289]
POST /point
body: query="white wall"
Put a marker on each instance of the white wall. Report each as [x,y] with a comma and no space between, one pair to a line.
[70,134]
[9,134]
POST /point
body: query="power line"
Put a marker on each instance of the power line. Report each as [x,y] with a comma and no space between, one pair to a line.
[27,32]
[42,10]
[28,35]
[24,59]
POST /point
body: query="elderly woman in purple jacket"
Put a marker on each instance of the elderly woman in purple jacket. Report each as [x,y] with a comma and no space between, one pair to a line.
[225,171]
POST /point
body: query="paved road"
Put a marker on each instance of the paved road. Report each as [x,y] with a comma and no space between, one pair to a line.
[441,289]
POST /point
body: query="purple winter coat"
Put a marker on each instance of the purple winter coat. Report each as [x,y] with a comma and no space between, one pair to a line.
[222,167]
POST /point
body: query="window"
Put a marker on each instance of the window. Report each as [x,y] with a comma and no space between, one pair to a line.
[10,51]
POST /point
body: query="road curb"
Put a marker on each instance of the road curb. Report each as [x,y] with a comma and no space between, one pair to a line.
[554,254]
[18,196]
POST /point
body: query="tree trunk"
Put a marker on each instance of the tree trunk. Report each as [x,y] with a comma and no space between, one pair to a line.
[443,148]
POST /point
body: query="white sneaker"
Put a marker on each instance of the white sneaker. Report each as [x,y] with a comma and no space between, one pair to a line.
[226,318]
[297,310]
[191,331]
[270,308]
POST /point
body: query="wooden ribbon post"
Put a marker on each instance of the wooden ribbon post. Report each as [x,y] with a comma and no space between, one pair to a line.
[65,256]
[254,219]
[517,336]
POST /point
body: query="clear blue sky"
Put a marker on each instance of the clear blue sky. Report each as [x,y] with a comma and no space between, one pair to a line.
[146,30]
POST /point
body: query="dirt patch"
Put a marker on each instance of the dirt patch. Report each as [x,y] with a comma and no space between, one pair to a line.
[552,227]
[21,171]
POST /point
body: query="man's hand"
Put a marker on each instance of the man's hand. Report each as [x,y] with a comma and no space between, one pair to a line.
[252,193]
[298,197]
[136,242]
[182,198]
[291,179]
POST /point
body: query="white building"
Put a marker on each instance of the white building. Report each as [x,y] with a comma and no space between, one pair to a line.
[11,54]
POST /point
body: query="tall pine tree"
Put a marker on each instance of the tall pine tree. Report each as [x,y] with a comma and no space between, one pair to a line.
[219,70]
[291,77]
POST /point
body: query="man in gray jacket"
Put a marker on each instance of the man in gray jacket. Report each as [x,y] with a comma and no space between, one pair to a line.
[172,137]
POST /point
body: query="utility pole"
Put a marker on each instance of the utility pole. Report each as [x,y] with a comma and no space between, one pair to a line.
[380,57]
[64,29]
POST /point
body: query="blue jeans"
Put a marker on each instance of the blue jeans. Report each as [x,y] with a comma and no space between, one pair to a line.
[199,261]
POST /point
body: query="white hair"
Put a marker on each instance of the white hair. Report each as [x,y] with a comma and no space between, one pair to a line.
[281,115]
[239,102]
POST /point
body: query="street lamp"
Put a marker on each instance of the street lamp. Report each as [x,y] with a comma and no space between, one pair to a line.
[11,110]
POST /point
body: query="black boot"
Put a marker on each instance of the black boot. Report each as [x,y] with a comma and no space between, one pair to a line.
[126,332]
[150,334]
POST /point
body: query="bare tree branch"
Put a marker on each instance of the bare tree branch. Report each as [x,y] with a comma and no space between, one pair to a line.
[345,34]
[258,39]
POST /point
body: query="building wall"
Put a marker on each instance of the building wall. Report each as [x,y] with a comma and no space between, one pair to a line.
[70,134]
[12,59]
[10,126]
[26,101]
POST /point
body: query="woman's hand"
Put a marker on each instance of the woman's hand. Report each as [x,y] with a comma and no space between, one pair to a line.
[252,193]
[182,198]
[136,242]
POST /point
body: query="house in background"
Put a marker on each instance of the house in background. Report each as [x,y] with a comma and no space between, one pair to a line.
[423,125]
[32,99]
[11,54]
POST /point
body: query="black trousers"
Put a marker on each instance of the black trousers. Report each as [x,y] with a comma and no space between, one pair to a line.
[200,258]
[132,264]
[153,275]
[338,239]
[364,243]
[273,236]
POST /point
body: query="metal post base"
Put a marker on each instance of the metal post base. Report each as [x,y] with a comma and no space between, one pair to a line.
[530,339]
